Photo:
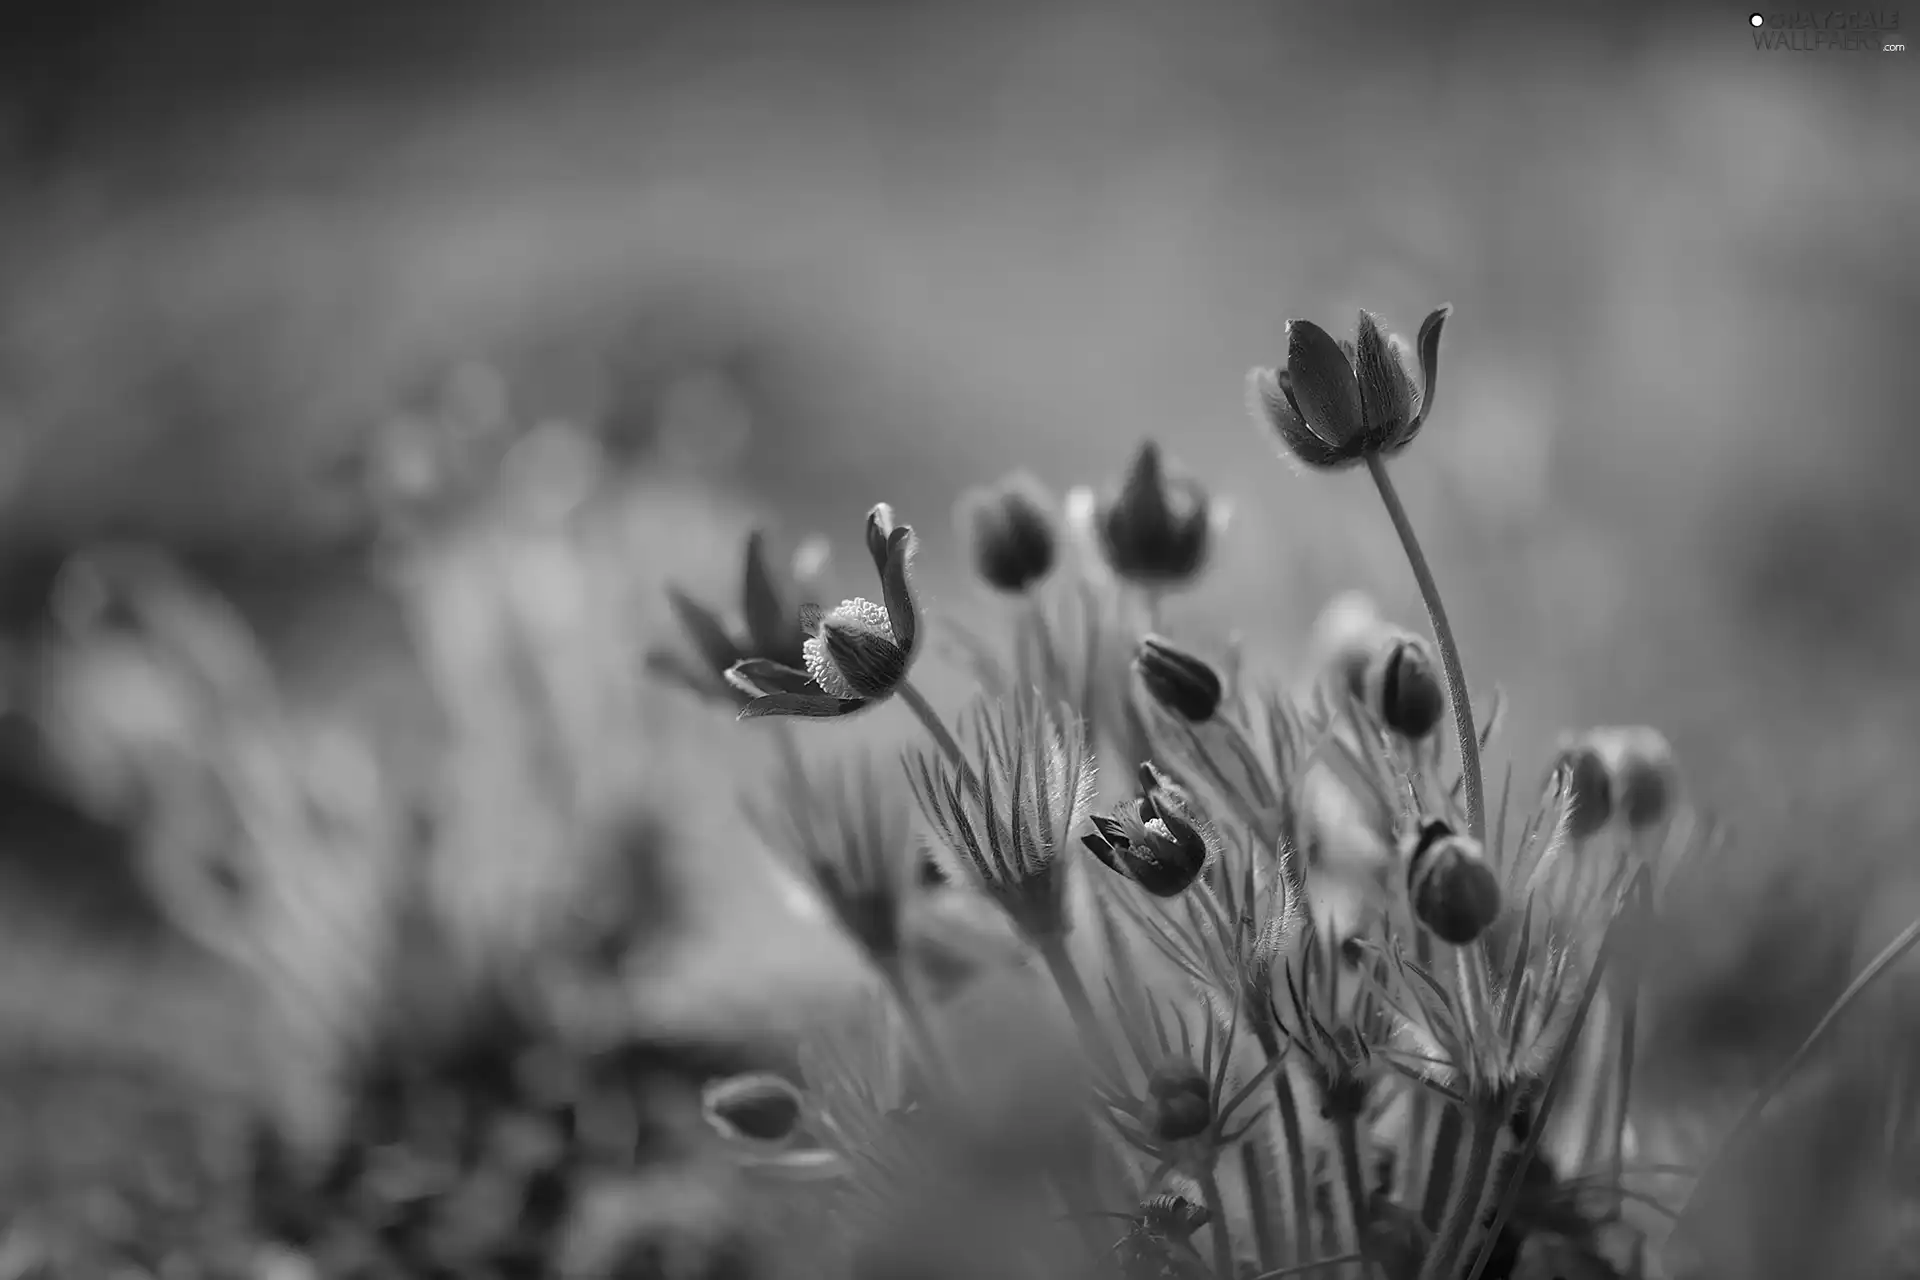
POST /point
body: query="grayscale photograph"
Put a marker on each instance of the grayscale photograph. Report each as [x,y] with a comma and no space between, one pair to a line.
[958,640]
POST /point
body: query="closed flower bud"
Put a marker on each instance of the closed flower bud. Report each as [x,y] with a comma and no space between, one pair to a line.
[1646,781]
[1179,1103]
[1012,531]
[1181,682]
[1403,687]
[1452,890]
[1151,841]
[762,1109]
[1156,530]
[1334,404]
[1589,789]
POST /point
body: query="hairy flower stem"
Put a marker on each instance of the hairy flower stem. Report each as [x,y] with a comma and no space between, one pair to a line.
[937,729]
[1449,649]
[1469,1194]
[1301,1235]
[1353,1175]
[1217,1209]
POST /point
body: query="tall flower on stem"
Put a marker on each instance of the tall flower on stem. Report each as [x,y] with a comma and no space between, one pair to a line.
[1335,405]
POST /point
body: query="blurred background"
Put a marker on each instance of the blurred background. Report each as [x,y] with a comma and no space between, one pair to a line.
[788,259]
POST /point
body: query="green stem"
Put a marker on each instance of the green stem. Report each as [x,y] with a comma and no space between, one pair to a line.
[1353,1174]
[937,729]
[1217,1211]
[1449,648]
[1456,1229]
[1301,1236]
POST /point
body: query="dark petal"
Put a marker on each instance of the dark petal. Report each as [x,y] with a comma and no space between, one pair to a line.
[1111,830]
[704,628]
[880,528]
[1270,400]
[1429,348]
[894,588]
[1325,391]
[1109,857]
[1143,494]
[769,626]
[1386,404]
[816,706]
[766,676]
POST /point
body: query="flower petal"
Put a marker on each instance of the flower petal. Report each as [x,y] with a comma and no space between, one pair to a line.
[1270,400]
[759,676]
[880,526]
[1386,404]
[814,706]
[769,626]
[1429,348]
[894,588]
[1321,378]
[704,628]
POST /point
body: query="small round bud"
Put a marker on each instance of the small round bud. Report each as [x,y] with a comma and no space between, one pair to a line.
[1403,687]
[1646,780]
[1181,682]
[1012,532]
[1179,1103]
[1589,787]
[1453,891]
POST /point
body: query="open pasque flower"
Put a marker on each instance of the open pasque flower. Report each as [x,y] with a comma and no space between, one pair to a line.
[1150,840]
[771,613]
[1335,403]
[855,654]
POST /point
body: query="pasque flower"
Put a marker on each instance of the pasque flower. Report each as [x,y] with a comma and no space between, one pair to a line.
[1453,890]
[1156,528]
[856,654]
[1013,535]
[770,610]
[1403,687]
[1182,682]
[1335,403]
[1150,840]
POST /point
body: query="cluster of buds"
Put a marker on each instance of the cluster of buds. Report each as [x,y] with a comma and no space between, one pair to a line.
[1628,774]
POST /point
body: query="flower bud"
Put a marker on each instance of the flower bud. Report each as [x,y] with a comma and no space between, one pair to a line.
[1646,781]
[1173,1216]
[1150,841]
[1179,1103]
[1589,789]
[1403,687]
[1181,682]
[1014,540]
[1156,530]
[759,1108]
[1453,891]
